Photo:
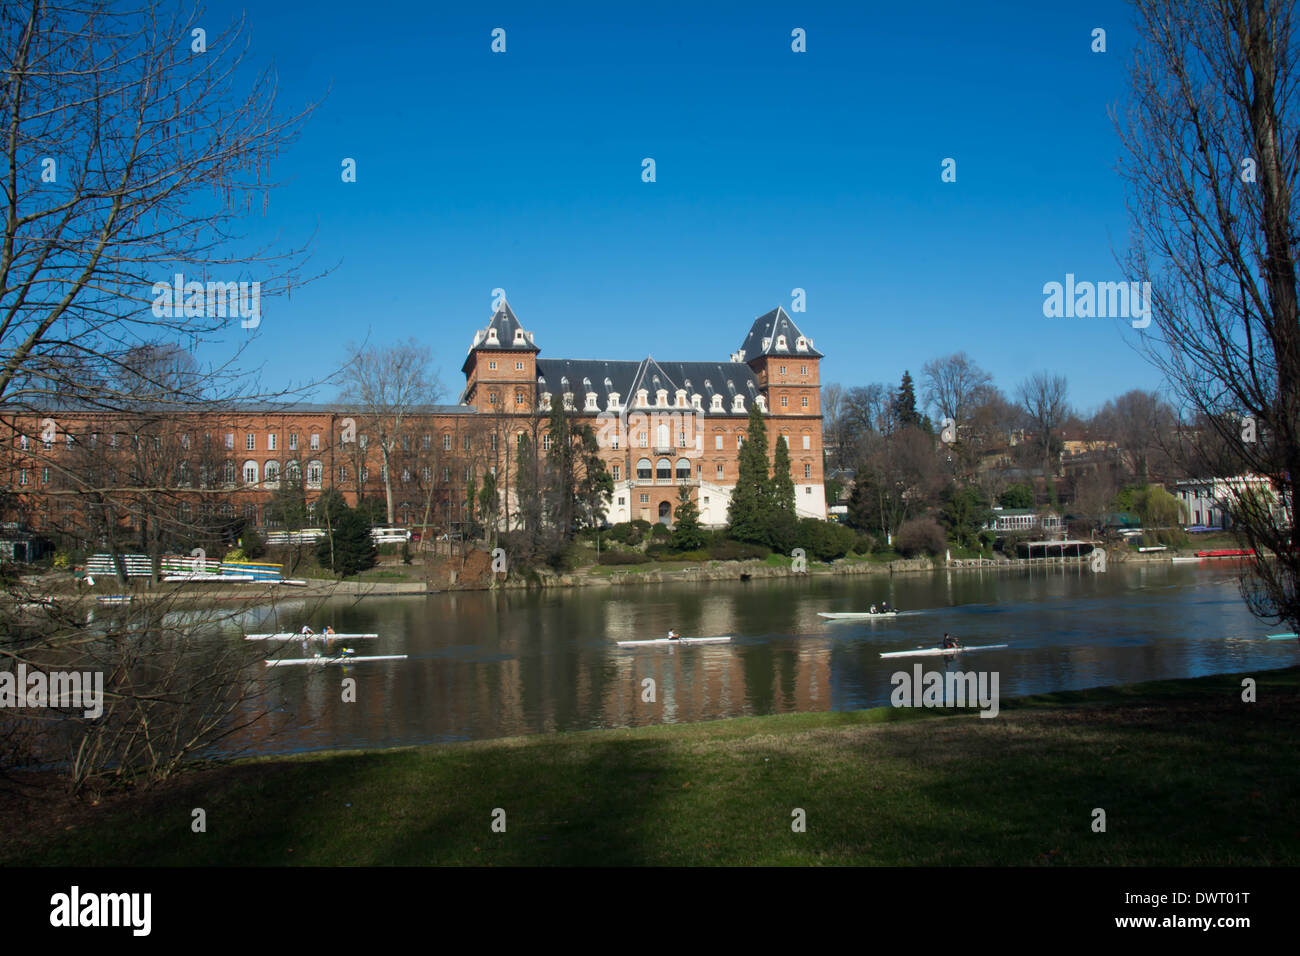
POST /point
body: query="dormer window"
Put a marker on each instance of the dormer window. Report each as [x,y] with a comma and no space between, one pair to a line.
[716,404]
[801,344]
[642,396]
[492,335]
[591,403]
[767,343]
[661,397]
[568,400]
[738,403]
[695,400]
[780,343]
[762,404]
[681,398]
[520,338]
[546,399]
[613,401]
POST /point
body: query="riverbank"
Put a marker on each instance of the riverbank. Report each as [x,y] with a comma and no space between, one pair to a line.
[1186,773]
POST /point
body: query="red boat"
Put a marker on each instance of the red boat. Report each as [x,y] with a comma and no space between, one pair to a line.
[1227,553]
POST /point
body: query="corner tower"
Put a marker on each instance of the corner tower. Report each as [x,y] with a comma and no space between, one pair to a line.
[501,368]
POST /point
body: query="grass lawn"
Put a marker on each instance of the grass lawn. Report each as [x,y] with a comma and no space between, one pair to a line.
[1186,772]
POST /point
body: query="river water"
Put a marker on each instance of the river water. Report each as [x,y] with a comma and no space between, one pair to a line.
[483,665]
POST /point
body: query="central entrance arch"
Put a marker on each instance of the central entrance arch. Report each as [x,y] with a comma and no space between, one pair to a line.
[665,512]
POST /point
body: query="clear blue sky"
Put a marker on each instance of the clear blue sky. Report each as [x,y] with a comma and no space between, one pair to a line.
[775,170]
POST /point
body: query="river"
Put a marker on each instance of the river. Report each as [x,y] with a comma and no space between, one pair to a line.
[483,665]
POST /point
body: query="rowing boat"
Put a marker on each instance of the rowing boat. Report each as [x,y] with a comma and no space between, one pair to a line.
[1283,637]
[679,640]
[286,636]
[856,615]
[935,651]
[345,659]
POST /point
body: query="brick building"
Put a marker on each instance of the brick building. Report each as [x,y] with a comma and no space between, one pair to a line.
[658,423]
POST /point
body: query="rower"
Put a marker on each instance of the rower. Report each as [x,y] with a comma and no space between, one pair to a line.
[306,630]
[673,635]
[950,642]
[873,609]
[884,607]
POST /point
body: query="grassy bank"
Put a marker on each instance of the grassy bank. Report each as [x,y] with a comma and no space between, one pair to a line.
[1186,772]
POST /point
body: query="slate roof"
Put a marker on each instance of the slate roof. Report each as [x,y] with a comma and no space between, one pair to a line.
[504,322]
[580,376]
[766,332]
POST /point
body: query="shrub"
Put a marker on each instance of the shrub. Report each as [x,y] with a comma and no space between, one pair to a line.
[660,531]
[824,540]
[729,550]
[235,554]
[60,559]
[252,544]
[627,532]
[864,544]
[623,557]
[659,552]
[692,556]
[920,536]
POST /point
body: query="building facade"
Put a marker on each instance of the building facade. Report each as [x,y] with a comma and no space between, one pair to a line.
[658,424]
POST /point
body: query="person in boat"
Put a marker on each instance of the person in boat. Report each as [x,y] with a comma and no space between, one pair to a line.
[673,635]
[306,630]
[873,610]
[884,607]
[950,642]
[329,631]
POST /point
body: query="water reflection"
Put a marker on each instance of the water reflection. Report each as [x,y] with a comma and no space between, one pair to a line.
[487,665]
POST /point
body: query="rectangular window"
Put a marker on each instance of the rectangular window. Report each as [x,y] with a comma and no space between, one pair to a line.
[492,366]
[343,473]
[719,472]
[546,442]
[365,474]
[22,477]
[740,441]
[466,443]
[807,442]
[446,443]
[315,441]
[645,499]
[645,442]
[270,441]
[230,440]
[618,472]
[807,471]
[519,366]
[446,475]
[782,369]
[250,473]
[45,475]
[519,398]
[426,442]
[250,442]
[467,476]
[494,441]
[293,441]
[426,473]
[785,402]
[492,398]
[717,442]
[69,438]
[362,441]
[805,401]
[22,442]
[803,369]
[622,500]
[681,439]
[519,439]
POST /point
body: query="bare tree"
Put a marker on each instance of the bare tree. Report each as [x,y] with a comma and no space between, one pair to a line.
[1042,396]
[951,385]
[388,387]
[1211,155]
[136,138]
[1140,423]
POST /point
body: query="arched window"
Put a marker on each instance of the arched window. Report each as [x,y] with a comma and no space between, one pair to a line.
[249,513]
[664,469]
[250,472]
[315,471]
[683,469]
[661,437]
[272,471]
[292,471]
[643,469]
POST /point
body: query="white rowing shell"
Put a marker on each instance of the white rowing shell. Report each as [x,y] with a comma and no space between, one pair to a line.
[334,660]
[285,636]
[855,615]
[935,651]
[680,640]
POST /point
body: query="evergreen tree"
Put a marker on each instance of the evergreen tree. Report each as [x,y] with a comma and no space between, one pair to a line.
[687,533]
[488,501]
[905,403]
[747,518]
[349,549]
[560,467]
[783,524]
[595,488]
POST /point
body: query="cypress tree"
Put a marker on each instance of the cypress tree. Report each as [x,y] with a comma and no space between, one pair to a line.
[905,403]
[747,518]
[782,521]
[687,533]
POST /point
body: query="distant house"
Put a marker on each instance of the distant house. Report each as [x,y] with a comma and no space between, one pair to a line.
[1207,502]
[1025,519]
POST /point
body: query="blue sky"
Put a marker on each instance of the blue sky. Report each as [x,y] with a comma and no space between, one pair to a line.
[775,170]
